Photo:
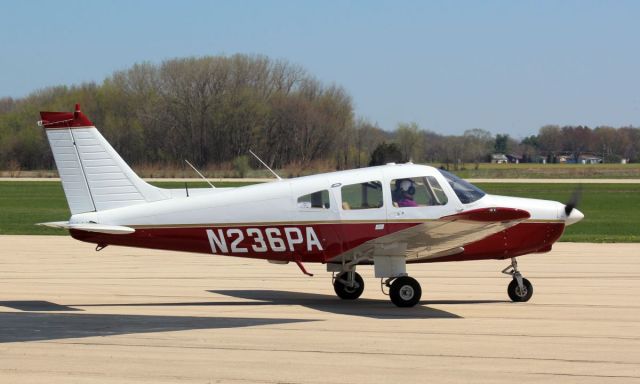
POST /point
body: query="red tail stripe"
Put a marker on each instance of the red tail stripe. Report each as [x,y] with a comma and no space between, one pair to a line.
[51,120]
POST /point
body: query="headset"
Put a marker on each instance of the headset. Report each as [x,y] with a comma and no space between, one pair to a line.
[407,185]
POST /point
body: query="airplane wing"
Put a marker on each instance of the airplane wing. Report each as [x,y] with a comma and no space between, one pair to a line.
[441,237]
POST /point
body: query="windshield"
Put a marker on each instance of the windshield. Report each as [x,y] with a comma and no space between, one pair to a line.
[466,192]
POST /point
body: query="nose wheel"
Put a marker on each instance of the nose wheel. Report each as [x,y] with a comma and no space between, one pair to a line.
[520,294]
[519,289]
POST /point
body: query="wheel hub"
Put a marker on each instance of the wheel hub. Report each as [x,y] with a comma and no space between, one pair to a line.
[406,292]
[352,288]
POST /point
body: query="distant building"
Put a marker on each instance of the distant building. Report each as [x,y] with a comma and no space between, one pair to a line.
[499,158]
[514,159]
[589,159]
[566,159]
[582,159]
[540,159]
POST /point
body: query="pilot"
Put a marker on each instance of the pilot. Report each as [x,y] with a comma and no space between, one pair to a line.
[403,195]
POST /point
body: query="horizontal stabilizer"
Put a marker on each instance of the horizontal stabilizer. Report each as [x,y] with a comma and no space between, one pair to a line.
[91,227]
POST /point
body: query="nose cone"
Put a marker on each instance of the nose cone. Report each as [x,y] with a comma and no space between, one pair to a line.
[574,217]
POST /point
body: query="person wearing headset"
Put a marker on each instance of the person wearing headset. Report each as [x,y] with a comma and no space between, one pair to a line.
[403,195]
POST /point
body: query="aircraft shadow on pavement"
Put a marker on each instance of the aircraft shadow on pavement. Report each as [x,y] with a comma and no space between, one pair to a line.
[29,326]
[37,305]
[379,309]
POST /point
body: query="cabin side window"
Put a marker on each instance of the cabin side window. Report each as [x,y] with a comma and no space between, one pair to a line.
[417,192]
[362,196]
[318,199]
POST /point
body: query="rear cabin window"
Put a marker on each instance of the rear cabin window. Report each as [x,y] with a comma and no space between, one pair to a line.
[362,196]
[318,199]
[417,192]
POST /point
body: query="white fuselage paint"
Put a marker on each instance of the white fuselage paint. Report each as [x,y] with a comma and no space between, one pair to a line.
[276,202]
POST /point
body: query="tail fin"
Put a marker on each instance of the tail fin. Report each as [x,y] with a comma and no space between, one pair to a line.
[94,177]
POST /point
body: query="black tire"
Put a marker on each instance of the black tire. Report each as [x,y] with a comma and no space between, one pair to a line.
[345,292]
[514,291]
[405,291]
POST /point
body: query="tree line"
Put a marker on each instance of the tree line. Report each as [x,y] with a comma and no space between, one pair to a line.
[213,110]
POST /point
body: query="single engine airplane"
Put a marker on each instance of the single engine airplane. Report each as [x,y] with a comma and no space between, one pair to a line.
[388,216]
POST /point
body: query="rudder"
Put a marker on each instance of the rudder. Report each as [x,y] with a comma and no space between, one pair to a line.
[94,177]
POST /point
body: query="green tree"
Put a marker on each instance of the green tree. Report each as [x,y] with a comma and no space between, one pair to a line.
[408,139]
[386,153]
[500,145]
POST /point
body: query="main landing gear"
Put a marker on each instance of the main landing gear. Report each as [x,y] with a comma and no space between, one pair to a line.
[348,285]
[404,291]
[519,289]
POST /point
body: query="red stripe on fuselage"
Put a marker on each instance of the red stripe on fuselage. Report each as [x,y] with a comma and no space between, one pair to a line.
[334,239]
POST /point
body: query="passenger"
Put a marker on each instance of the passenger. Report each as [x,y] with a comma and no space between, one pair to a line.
[403,195]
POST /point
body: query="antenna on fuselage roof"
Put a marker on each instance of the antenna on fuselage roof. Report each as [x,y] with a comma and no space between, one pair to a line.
[265,164]
[199,174]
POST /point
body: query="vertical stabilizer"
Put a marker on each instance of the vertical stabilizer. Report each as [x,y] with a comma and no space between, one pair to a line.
[94,177]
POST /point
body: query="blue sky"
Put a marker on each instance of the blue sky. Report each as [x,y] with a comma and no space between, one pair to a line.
[504,66]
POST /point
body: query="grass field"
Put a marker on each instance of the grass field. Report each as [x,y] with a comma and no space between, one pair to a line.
[612,210]
[467,171]
[549,171]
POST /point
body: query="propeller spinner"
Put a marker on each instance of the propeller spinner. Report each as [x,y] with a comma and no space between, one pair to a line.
[572,214]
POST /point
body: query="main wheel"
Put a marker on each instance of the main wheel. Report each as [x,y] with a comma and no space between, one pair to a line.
[405,291]
[344,291]
[520,295]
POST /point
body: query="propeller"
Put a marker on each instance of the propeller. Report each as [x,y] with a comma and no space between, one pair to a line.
[576,196]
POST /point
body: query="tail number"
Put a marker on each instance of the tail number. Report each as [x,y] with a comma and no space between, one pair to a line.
[236,240]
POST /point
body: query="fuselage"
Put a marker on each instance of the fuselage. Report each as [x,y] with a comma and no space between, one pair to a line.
[321,217]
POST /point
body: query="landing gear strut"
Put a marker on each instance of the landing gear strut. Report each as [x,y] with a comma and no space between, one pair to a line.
[520,289]
[348,285]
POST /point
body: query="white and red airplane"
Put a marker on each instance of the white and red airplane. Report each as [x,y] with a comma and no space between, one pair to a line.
[388,216]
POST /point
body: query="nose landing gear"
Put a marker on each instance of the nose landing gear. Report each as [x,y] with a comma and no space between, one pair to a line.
[519,289]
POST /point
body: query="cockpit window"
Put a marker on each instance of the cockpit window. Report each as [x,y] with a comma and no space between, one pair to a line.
[466,192]
[318,199]
[417,192]
[362,196]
